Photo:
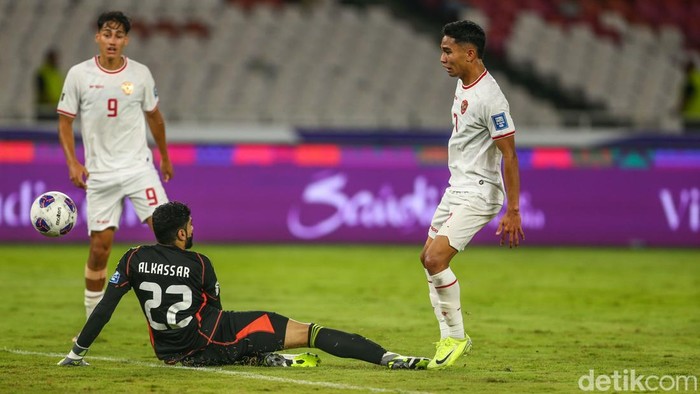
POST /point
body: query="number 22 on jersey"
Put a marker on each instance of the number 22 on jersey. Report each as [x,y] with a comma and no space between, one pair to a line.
[157,299]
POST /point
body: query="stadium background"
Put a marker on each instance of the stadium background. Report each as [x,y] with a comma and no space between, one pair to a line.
[307,126]
[326,121]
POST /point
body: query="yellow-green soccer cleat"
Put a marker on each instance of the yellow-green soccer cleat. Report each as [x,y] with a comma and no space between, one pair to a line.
[448,351]
[303,360]
[405,362]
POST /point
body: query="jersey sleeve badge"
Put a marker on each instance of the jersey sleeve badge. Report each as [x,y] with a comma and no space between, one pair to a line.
[115,278]
[499,121]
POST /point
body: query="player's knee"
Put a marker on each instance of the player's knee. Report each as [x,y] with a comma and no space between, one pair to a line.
[424,251]
[424,255]
[435,263]
[99,251]
[101,241]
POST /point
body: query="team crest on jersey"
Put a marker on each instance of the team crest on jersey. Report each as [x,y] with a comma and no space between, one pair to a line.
[127,88]
[115,278]
[465,104]
[500,121]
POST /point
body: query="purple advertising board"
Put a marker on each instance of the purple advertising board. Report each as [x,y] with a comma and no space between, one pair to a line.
[356,203]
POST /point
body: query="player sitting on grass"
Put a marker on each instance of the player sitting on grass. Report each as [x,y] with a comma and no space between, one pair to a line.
[179,295]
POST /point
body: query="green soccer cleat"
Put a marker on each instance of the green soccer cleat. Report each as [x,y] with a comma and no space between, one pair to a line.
[303,360]
[69,362]
[449,350]
[403,362]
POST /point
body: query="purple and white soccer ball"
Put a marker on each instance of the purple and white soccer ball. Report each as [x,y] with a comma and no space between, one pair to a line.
[53,214]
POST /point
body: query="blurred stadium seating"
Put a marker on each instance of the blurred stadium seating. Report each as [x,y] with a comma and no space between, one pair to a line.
[626,57]
[330,64]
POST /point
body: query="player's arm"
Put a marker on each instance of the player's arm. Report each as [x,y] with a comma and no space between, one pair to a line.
[116,288]
[157,126]
[211,284]
[94,325]
[510,224]
[76,171]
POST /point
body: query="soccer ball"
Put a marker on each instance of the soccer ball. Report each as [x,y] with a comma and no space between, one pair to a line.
[53,214]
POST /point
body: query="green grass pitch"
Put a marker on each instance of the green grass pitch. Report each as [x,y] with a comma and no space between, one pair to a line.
[540,318]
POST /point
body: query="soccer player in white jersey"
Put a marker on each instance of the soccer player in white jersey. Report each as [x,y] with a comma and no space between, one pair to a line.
[115,97]
[483,136]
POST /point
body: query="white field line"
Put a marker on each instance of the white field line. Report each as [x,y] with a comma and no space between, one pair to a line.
[246,375]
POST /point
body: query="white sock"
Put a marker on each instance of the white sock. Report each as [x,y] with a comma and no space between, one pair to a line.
[434,300]
[447,289]
[92,298]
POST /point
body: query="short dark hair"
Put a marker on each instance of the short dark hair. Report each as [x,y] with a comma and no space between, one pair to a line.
[168,219]
[467,32]
[114,16]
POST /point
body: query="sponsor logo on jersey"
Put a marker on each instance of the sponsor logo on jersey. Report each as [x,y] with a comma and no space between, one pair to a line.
[97,86]
[127,88]
[465,104]
[500,121]
[115,278]
[155,92]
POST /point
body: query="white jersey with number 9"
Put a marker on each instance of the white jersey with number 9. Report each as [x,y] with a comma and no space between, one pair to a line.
[111,104]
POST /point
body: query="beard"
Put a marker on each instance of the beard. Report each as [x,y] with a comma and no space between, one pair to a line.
[189,242]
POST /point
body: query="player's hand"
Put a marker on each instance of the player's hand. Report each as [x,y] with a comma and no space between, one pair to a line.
[72,362]
[166,169]
[78,174]
[511,226]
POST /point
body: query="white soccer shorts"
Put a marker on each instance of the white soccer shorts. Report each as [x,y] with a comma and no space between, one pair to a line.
[106,193]
[460,215]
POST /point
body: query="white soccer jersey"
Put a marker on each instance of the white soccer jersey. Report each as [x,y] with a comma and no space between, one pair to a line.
[111,104]
[480,115]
